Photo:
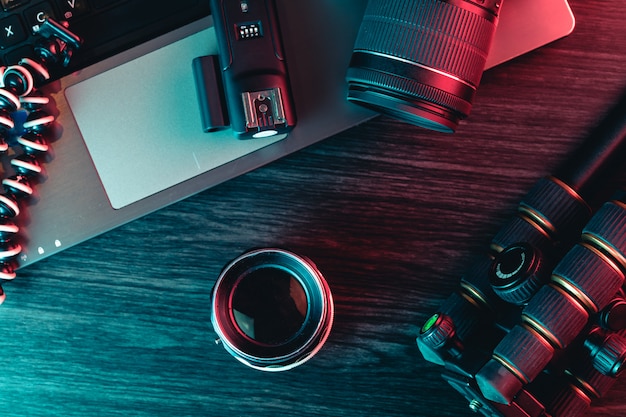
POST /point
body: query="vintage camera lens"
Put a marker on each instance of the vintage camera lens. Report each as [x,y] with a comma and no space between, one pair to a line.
[272,309]
[422,60]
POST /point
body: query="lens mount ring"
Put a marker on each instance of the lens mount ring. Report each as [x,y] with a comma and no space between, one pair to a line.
[272,309]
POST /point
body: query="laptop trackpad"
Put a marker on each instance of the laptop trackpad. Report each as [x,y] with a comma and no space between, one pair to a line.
[141,123]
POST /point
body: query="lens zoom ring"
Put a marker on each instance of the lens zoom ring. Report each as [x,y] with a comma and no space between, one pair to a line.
[434,33]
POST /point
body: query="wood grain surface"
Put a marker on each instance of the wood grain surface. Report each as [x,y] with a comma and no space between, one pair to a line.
[390,213]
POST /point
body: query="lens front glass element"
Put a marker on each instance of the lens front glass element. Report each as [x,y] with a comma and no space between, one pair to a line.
[269,305]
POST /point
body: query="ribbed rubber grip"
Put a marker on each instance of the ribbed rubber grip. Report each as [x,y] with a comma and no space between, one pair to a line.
[434,33]
[524,350]
[564,211]
[467,317]
[569,401]
[559,317]
[588,277]
[519,229]
[608,225]
[550,213]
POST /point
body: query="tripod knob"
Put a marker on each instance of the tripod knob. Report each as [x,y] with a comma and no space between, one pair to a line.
[613,317]
[609,354]
[516,273]
[437,338]
[437,331]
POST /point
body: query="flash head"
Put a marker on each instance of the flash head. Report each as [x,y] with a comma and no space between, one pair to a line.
[272,309]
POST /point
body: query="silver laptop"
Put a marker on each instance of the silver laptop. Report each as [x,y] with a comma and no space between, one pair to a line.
[131,140]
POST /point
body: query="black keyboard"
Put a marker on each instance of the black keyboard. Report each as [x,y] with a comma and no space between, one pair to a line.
[106,26]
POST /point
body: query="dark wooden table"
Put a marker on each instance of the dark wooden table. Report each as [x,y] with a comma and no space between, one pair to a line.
[392,215]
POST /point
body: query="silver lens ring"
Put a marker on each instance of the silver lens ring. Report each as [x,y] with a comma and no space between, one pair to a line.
[272,309]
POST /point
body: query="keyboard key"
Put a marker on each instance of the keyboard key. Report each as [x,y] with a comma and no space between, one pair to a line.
[106,26]
[71,9]
[38,14]
[9,4]
[14,56]
[100,4]
[12,32]
[115,24]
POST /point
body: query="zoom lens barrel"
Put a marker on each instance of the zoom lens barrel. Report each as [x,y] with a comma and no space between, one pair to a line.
[422,60]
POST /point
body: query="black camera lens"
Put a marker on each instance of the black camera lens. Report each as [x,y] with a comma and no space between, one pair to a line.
[272,309]
[421,60]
